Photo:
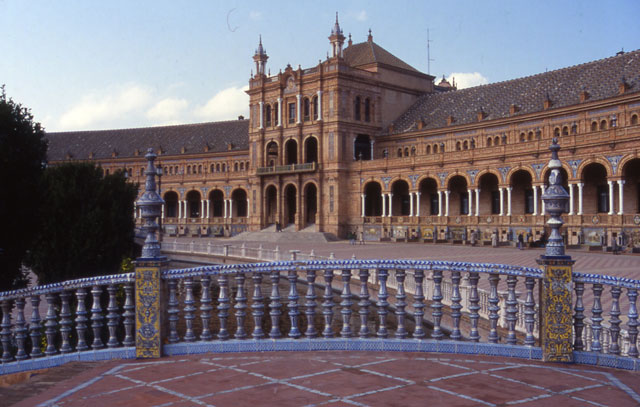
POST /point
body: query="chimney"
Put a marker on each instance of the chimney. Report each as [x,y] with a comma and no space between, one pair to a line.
[450,120]
[513,109]
[624,86]
[584,95]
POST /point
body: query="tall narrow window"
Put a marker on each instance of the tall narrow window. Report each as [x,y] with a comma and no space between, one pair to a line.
[315,108]
[367,110]
[306,110]
[267,115]
[292,113]
[356,108]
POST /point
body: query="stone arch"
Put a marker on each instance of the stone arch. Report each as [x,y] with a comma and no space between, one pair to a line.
[429,199]
[457,174]
[458,185]
[585,163]
[290,203]
[485,172]
[310,145]
[512,171]
[270,203]
[271,153]
[239,206]
[291,151]
[193,199]
[310,194]
[630,171]
[521,182]
[216,203]
[488,182]
[400,197]
[171,204]
[596,192]
[623,161]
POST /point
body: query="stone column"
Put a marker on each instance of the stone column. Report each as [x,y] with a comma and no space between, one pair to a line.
[410,203]
[418,204]
[298,108]
[611,211]
[509,189]
[279,112]
[230,208]
[439,203]
[580,186]
[570,199]
[501,201]
[384,205]
[620,197]
[208,209]
[535,200]
[477,201]
[362,197]
[446,202]
[148,267]
[556,325]
[372,142]
[179,209]
[390,204]
[225,208]
[544,209]
[319,105]
[202,206]
[470,203]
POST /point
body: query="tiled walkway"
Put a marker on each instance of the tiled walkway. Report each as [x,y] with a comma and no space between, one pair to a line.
[341,379]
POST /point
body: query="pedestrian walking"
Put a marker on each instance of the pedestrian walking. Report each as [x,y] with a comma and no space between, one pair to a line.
[494,239]
[361,236]
[520,242]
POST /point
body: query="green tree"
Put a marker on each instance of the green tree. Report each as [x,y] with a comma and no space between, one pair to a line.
[23,152]
[87,223]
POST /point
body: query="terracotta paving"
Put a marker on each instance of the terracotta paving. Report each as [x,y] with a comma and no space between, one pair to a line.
[336,379]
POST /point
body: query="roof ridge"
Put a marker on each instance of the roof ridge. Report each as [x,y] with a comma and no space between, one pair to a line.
[148,127]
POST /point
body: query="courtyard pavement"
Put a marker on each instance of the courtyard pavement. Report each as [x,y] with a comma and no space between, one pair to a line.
[343,378]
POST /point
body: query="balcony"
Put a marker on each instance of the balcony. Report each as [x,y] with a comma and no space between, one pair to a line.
[287,169]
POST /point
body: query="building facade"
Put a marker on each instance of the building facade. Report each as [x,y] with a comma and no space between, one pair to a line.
[365,143]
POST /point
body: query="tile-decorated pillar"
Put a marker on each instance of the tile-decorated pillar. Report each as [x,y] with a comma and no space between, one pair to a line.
[556,327]
[148,268]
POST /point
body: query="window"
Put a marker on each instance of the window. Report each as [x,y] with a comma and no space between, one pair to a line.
[634,120]
[603,125]
[267,115]
[521,137]
[489,139]
[556,132]
[242,166]
[413,150]
[217,167]
[538,134]
[565,131]
[435,149]
[496,141]
[458,146]
[275,115]
[495,202]
[465,145]
[235,167]
[399,152]
[530,136]
[406,151]
[212,168]
[427,150]
[356,108]
[315,108]
[306,109]
[224,167]
[292,113]
[574,129]
[528,201]
[603,199]
[594,126]
[367,110]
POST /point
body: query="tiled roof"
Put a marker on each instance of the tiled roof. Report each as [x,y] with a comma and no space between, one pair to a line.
[194,138]
[601,79]
[369,52]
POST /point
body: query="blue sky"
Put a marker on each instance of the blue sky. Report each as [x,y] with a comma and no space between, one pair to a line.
[113,64]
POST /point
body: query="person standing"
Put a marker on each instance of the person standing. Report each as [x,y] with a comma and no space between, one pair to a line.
[494,239]
[520,241]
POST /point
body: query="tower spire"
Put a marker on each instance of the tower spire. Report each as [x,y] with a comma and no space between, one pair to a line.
[260,58]
[336,39]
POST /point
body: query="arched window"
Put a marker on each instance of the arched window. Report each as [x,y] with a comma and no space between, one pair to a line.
[458,146]
[188,169]
[224,167]
[242,166]
[556,132]
[235,166]
[212,168]
[306,108]
[435,149]
[217,167]
[565,131]
[603,125]
[406,151]
[428,150]
[413,150]
[496,141]
[574,129]
[200,169]
[367,110]
[634,120]
[442,147]
[489,139]
[315,108]
[399,152]
[267,115]
[530,136]
[356,108]
[521,137]
[594,126]
[465,145]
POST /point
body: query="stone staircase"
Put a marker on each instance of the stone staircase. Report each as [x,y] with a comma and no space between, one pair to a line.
[288,234]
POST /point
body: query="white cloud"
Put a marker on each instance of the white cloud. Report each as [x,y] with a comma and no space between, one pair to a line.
[225,105]
[167,110]
[467,79]
[98,109]
[361,15]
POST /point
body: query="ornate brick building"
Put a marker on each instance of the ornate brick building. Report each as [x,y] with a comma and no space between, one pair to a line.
[363,142]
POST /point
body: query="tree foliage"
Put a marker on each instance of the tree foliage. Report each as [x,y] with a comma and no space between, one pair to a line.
[87,223]
[23,151]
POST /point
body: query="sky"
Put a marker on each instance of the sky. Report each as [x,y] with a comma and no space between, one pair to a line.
[83,65]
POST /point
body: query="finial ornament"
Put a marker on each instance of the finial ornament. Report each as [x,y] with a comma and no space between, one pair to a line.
[150,204]
[555,199]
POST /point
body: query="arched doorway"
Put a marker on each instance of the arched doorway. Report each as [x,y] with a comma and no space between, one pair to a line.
[362,147]
[311,150]
[401,205]
[171,205]
[631,177]
[372,199]
[291,152]
[429,203]
[272,154]
[489,194]
[458,196]
[216,202]
[310,204]
[239,206]
[290,195]
[193,204]
[595,194]
[271,205]
[522,193]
